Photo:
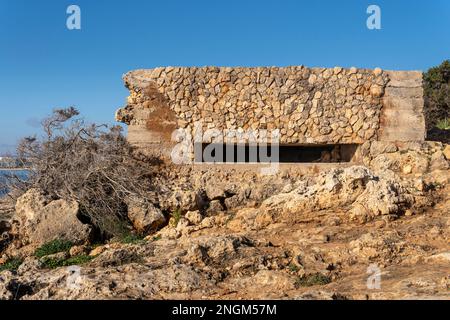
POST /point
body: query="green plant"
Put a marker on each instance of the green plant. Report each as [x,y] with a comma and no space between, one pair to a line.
[12,264]
[53,247]
[176,216]
[156,238]
[133,239]
[315,279]
[293,267]
[443,124]
[53,263]
[436,84]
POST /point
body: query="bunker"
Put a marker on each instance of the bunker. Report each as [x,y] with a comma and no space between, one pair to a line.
[312,114]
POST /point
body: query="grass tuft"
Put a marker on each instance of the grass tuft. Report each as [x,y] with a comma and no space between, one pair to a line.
[316,279]
[293,267]
[12,264]
[176,216]
[443,124]
[53,263]
[53,247]
[133,239]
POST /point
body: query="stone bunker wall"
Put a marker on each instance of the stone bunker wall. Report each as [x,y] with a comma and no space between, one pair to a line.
[307,105]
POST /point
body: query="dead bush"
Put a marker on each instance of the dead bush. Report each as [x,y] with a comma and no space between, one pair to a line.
[91,164]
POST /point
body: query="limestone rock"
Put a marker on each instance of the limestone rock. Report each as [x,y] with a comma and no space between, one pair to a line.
[194,217]
[42,221]
[376,91]
[380,147]
[275,279]
[446,152]
[382,196]
[367,195]
[407,169]
[145,216]
[438,161]
[214,207]
[29,204]
[374,245]
[396,161]
[30,264]
[6,279]
[329,189]
[78,250]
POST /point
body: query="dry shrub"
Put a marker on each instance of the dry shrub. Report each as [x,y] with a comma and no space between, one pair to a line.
[91,164]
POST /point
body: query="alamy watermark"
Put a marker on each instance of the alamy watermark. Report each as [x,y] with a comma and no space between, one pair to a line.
[73,21]
[374,279]
[227,146]
[374,20]
[74,279]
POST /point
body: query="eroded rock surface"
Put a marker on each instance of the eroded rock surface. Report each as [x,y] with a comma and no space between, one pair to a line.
[295,235]
[42,220]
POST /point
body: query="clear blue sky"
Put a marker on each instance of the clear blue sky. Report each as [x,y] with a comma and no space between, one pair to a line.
[43,65]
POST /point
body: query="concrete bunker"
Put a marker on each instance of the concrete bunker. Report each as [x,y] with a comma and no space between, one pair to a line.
[321,114]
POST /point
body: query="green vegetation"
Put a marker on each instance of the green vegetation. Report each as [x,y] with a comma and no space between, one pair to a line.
[132,238]
[293,267]
[53,247]
[156,238]
[443,124]
[315,279]
[12,264]
[436,84]
[176,216]
[52,263]
[59,246]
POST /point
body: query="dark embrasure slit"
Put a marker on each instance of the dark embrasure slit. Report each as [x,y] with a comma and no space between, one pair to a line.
[245,153]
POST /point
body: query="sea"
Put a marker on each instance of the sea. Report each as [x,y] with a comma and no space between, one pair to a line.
[22,174]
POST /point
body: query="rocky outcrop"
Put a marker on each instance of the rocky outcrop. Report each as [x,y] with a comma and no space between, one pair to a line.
[318,257]
[446,152]
[144,216]
[5,238]
[381,196]
[299,234]
[405,157]
[357,188]
[42,220]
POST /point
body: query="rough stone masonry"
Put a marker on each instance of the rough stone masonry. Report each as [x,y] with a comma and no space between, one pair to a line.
[310,106]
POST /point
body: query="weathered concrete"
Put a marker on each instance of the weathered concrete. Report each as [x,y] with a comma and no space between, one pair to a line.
[402,116]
